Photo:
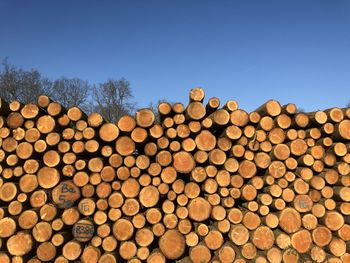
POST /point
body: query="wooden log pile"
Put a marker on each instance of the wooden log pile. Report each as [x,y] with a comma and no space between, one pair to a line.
[205,183]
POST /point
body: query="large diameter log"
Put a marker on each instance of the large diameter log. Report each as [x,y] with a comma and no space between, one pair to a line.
[183,162]
[20,244]
[46,252]
[172,244]
[108,132]
[144,118]
[72,250]
[199,209]
[271,107]
[290,220]
[45,124]
[263,238]
[301,241]
[205,141]
[195,110]
[343,130]
[7,227]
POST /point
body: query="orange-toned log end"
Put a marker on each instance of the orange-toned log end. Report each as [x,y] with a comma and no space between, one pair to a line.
[290,220]
[127,250]
[45,124]
[74,113]
[123,229]
[48,177]
[7,227]
[20,244]
[183,162]
[15,120]
[301,241]
[172,244]
[8,191]
[334,220]
[290,256]
[71,250]
[46,251]
[125,145]
[144,118]
[239,118]
[221,117]
[298,147]
[263,238]
[164,108]
[24,150]
[197,94]
[149,196]
[108,132]
[247,169]
[344,129]
[321,236]
[95,119]
[271,107]
[200,254]
[205,141]
[226,253]
[195,110]
[199,209]
[214,240]
[126,123]
[91,254]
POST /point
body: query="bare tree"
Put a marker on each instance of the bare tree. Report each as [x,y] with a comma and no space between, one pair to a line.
[71,92]
[113,99]
[22,85]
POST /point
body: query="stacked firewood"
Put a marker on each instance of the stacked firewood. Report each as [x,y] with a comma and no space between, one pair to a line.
[205,183]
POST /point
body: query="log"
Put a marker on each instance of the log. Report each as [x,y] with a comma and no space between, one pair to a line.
[172,244]
[20,244]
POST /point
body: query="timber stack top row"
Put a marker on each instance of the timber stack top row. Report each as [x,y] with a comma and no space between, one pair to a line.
[197,183]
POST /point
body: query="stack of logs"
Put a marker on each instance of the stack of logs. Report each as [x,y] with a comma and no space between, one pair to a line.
[197,183]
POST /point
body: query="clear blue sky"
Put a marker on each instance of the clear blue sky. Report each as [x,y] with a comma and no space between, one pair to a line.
[294,51]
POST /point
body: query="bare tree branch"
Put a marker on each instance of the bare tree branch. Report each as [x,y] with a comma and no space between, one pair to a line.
[71,92]
[19,84]
[113,99]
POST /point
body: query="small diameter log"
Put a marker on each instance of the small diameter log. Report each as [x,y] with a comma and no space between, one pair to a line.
[197,94]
